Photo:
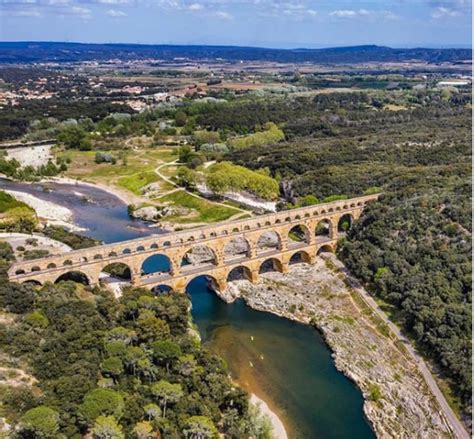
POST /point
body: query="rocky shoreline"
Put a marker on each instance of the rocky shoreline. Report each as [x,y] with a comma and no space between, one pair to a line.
[398,402]
[50,213]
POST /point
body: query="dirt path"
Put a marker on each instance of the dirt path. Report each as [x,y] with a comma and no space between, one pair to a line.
[168,180]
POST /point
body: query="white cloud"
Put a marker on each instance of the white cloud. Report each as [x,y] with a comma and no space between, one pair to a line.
[441,12]
[19,13]
[58,2]
[360,13]
[78,10]
[291,10]
[115,13]
[114,2]
[343,13]
[223,15]
[196,7]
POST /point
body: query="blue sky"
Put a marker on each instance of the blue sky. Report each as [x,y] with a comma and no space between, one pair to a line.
[267,23]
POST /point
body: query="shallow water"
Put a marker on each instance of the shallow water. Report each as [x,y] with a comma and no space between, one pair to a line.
[103,215]
[285,363]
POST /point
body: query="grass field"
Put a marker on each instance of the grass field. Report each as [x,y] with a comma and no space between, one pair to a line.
[136,182]
[83,164]
[206,211]
[8,202]
[137,173]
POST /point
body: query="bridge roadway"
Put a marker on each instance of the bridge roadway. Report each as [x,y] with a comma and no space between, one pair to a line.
[217,238]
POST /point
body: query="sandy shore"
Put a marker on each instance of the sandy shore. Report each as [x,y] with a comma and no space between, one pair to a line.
[35,156]
[279,431]
[125,196]
[51,213]
[43,242]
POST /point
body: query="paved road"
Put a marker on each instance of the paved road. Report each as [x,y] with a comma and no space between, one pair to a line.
[457,428]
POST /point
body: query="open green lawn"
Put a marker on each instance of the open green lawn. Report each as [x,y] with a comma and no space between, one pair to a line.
[207,211]
[8,202]
[137,173]
[136,182]
[144,160]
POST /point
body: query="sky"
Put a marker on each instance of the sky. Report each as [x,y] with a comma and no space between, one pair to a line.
[263,23]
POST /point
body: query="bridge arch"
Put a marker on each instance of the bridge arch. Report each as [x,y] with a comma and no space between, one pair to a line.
[156,263]
[324,228]
[299,257]
[202,281]
[325,249]
[199,254]
[119,270]
[75,276]
[238,273]
[161,289]
[299,233]
[271,264]
[32,282]
[238,246]
[345,222]
[268,240]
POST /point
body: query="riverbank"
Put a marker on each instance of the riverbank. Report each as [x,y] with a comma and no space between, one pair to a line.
[123,195]
[41,242]
[50,213]
[398,402]
[279,431]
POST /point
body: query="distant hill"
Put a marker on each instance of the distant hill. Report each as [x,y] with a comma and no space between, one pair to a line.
[24,52]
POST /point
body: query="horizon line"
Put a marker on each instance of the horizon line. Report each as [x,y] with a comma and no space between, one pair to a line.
[427,46]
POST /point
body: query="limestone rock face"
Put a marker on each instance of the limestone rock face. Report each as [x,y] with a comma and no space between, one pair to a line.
[237,246]
[268,240]
[147,213]
[200,255]
[156,213]
[152,189]
[174,211]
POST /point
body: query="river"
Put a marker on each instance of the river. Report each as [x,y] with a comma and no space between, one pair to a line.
[287,364]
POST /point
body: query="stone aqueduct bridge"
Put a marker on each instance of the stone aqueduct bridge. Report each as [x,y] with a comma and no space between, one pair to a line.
[92,261]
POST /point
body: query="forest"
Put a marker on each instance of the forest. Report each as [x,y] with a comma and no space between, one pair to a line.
[11,52]
[81,361]
[412,248]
